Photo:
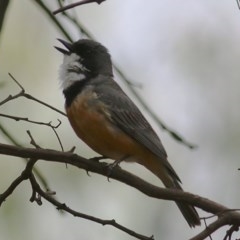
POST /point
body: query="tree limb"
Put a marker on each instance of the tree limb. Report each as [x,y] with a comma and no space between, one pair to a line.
[117,174]
[225,215]
[69,6]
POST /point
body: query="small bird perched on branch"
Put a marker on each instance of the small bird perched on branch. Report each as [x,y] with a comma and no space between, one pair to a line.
[106,119]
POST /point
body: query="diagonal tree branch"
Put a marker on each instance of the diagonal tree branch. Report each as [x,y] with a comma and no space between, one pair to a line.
[227,219]
[24,176]
[3,9]
[117,174]
[225,215]
[69,6]
[64,207]
[39,175]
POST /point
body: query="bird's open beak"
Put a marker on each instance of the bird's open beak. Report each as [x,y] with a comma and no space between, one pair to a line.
[67,45]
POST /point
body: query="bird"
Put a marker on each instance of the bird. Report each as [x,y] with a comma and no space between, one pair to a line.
[107,120]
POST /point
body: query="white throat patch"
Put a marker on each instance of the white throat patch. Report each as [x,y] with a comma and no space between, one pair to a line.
[67,78]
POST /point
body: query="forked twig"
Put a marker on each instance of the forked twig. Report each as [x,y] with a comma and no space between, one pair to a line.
[22,93]
[69,6]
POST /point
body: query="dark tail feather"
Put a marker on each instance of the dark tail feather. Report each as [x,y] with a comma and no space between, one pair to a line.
[171,180]
[188,211]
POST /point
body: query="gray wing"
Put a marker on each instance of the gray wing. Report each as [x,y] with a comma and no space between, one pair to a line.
[125,114]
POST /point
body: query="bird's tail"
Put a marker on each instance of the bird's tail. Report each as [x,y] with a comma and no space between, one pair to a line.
[171,180]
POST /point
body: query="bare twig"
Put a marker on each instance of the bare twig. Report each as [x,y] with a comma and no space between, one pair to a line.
[22,93]
[38,193]
[49,124]
[238,3]
[229,218]
[45,8]
[55,132]
[117,174]
[3,9]
[62,9]
[36,171]
[64,207]
[33,142]
[24,176]
[16,118]
[230,232]
[225,215]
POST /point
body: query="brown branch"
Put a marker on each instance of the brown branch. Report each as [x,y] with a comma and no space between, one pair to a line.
[230,231]
[117,174]
[22,93]
[49,124]
[33,142]
[64,207]
[36,171]
[24,176]
[36,189]
[53,18]
[225,215]
[55,132]
[229,218]
[76,4]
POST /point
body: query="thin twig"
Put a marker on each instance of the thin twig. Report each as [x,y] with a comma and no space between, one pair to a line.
[238,3]
[24,176]
[36,171]
[22,93]
[230,232]
[25,119]
[230,218]
[3,9]
[64,207]
[49,124]
[45,8]
[55,132]
[27,174]
[117,174]
[206,226]
[62,9]
[225,217]
[33,142]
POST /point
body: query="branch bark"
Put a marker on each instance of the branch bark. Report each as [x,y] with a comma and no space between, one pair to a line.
[117,174]
[225,215]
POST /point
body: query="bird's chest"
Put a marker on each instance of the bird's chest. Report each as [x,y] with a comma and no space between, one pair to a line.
[91,121]
[86,113]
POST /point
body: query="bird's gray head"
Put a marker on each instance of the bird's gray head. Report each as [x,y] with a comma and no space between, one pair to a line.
[83,59]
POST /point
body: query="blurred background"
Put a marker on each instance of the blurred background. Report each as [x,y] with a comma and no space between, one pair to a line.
[184,54]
